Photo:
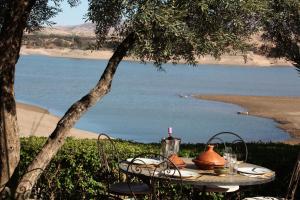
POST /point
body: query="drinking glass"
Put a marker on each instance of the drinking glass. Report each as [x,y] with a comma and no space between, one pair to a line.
[232,163]
[226,155]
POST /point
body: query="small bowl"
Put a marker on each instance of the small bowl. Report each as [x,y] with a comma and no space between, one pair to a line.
[221,171]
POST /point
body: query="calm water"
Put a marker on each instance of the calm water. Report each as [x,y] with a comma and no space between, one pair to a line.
[144,102]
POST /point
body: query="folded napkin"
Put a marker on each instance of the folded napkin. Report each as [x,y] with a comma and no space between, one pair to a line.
[266,175]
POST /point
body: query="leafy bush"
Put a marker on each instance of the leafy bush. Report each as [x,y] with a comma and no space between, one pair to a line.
[74,173]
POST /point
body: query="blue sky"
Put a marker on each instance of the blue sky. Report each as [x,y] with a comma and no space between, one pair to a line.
[71,16]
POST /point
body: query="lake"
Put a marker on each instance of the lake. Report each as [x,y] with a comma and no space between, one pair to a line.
[144,102]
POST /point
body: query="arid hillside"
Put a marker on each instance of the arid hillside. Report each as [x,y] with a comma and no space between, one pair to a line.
[78,41]
[83,30]
[73,37]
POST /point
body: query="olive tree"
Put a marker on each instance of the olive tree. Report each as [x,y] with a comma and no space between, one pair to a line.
[16,16]
[281,30]
[149,30]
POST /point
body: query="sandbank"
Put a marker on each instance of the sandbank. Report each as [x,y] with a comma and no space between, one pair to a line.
[284,110]
[252,59]
[36,121]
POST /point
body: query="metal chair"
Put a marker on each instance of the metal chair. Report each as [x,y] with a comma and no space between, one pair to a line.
[39,190]
[227,141]
[293,185]
[109,169]
[163,177]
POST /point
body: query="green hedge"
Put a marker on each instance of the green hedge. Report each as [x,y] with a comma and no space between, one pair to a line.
[74,173]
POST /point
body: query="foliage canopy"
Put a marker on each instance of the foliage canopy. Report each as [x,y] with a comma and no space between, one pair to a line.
[282,29]
[178,29]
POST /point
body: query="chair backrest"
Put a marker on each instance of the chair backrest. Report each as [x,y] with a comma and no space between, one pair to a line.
[162,176]
[109,159]
[46,186]
[229,141]
[41,189]
[294,180]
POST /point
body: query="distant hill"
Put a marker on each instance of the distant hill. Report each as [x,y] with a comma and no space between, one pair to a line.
[85,30]
[73,37]
[82,37]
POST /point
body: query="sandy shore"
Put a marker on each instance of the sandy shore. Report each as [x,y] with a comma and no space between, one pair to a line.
[36,121]
[284,110]
[252,59]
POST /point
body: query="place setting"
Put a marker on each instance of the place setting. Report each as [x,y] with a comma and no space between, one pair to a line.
[180,173]
[255,172]
[139,164]
[144,161]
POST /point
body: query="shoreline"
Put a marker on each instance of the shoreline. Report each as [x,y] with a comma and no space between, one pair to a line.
[252,59]
[36,121]
[285,111]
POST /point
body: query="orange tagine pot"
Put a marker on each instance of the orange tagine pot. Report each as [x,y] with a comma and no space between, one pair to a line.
[177,161]
[209,159]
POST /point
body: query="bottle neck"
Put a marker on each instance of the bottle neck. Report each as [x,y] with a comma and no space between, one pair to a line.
[170,131]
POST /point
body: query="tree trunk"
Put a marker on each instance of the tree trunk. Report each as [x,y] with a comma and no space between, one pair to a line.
[57,138]
[10,43]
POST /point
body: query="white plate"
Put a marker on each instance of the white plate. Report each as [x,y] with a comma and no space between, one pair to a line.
[144,161]
[184,173]
[253,170]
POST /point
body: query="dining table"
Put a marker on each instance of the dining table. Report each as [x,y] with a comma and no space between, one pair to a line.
[194,176]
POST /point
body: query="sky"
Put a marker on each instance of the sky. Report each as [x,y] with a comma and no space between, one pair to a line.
[71,16]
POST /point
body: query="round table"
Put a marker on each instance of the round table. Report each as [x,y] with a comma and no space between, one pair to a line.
[209,178]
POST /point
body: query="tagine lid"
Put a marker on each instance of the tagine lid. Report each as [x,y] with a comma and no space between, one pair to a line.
[210,157]
[174,158]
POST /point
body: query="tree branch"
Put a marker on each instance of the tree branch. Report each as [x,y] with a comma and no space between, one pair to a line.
[57,138]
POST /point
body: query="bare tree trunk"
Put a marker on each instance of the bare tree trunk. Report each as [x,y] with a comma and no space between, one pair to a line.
[57,138]
[10,43]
